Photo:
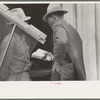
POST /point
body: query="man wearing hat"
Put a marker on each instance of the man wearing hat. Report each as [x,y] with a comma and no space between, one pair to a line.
[67,46]
[17,60]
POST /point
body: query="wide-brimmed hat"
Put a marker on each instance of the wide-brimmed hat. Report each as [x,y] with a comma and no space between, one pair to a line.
[52,8]
[19,13]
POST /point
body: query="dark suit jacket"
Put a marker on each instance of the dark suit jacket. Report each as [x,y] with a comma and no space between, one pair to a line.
[68,51]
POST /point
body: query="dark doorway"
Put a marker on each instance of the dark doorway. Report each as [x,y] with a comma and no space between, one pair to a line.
[40,69]
[36,11]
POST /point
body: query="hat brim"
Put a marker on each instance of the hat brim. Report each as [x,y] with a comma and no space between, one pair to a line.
[25,19]
[46,15]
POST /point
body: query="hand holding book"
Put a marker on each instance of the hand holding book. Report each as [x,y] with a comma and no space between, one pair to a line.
[42,54]
[48,56]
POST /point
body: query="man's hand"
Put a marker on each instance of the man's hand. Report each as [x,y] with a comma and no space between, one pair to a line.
[48,56]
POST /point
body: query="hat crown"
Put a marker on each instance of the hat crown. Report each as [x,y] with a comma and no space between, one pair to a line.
[18,12]
[54,7]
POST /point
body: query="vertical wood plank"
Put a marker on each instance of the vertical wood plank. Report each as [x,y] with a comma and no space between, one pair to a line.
[86,28]
[98,38]
[70,17]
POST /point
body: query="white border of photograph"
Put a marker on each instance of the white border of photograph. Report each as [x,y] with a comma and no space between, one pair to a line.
[49,89]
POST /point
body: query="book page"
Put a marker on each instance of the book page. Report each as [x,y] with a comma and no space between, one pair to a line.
[40,54]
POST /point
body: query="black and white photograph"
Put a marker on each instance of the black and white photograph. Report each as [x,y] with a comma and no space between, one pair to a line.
[50,42]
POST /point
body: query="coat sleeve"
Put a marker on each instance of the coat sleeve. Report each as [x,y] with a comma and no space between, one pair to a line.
[60,44]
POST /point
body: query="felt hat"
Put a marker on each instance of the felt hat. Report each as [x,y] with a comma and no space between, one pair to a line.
[19,13]
[52,8]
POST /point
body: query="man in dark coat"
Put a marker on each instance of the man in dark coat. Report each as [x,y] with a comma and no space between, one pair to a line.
[67,46]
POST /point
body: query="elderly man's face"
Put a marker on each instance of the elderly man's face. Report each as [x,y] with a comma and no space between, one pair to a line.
[51,20]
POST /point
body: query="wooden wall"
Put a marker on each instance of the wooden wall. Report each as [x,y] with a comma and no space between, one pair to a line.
[85,17]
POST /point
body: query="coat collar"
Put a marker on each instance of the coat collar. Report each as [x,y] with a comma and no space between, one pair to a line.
[57,23]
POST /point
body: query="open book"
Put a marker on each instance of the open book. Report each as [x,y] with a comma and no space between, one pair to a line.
[41,54]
